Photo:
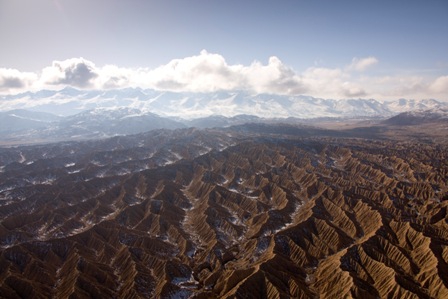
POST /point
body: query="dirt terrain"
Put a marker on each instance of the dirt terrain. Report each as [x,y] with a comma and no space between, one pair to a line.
[253,211]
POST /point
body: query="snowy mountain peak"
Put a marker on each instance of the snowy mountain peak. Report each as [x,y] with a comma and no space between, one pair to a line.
[70,101]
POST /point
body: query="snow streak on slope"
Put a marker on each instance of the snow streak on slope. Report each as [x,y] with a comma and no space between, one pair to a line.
[259,213]
[194,105]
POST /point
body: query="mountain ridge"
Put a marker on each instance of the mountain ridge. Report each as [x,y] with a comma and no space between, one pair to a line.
[28,127]
[69,101]
[419,117]
[226,213]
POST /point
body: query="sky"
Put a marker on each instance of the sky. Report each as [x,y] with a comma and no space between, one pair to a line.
[323,48]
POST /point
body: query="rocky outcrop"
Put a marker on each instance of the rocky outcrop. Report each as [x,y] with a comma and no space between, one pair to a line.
[223,214]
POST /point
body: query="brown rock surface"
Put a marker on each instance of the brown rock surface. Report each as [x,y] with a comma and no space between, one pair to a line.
[225,214]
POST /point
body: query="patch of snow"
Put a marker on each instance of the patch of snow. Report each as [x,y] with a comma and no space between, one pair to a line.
[223,183]
[74,171]
[22,158]
[293,215]
[97,163]
[177,155]
[206,150]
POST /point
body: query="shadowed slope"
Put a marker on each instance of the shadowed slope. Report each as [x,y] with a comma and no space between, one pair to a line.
[177,214]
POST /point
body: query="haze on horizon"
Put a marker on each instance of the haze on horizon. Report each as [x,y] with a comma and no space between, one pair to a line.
[348,49]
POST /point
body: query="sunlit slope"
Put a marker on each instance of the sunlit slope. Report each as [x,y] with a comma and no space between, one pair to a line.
[224,214]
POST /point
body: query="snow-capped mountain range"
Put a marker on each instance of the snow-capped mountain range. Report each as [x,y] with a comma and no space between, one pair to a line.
[70,101]
[71,114]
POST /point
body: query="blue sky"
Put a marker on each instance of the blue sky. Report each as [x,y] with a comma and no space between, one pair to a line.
[408,41]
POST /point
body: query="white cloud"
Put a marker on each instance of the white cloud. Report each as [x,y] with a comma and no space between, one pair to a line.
[209,72]
[401,86]
[332,83]
[353,90]
[12,79]
[361,64]
[275,78]
[201,73]
[440,85]
[111,76]
[76,72]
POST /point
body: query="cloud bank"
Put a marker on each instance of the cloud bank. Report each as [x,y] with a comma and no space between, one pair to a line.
[209,72]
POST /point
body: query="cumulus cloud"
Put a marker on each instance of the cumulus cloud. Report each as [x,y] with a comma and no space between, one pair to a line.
[76,72]
[209,72]
[205,72]
[11,79]
[111,76]
[361,64]
[275,77]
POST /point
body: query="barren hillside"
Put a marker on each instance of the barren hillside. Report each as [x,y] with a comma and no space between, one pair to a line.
[225,214]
